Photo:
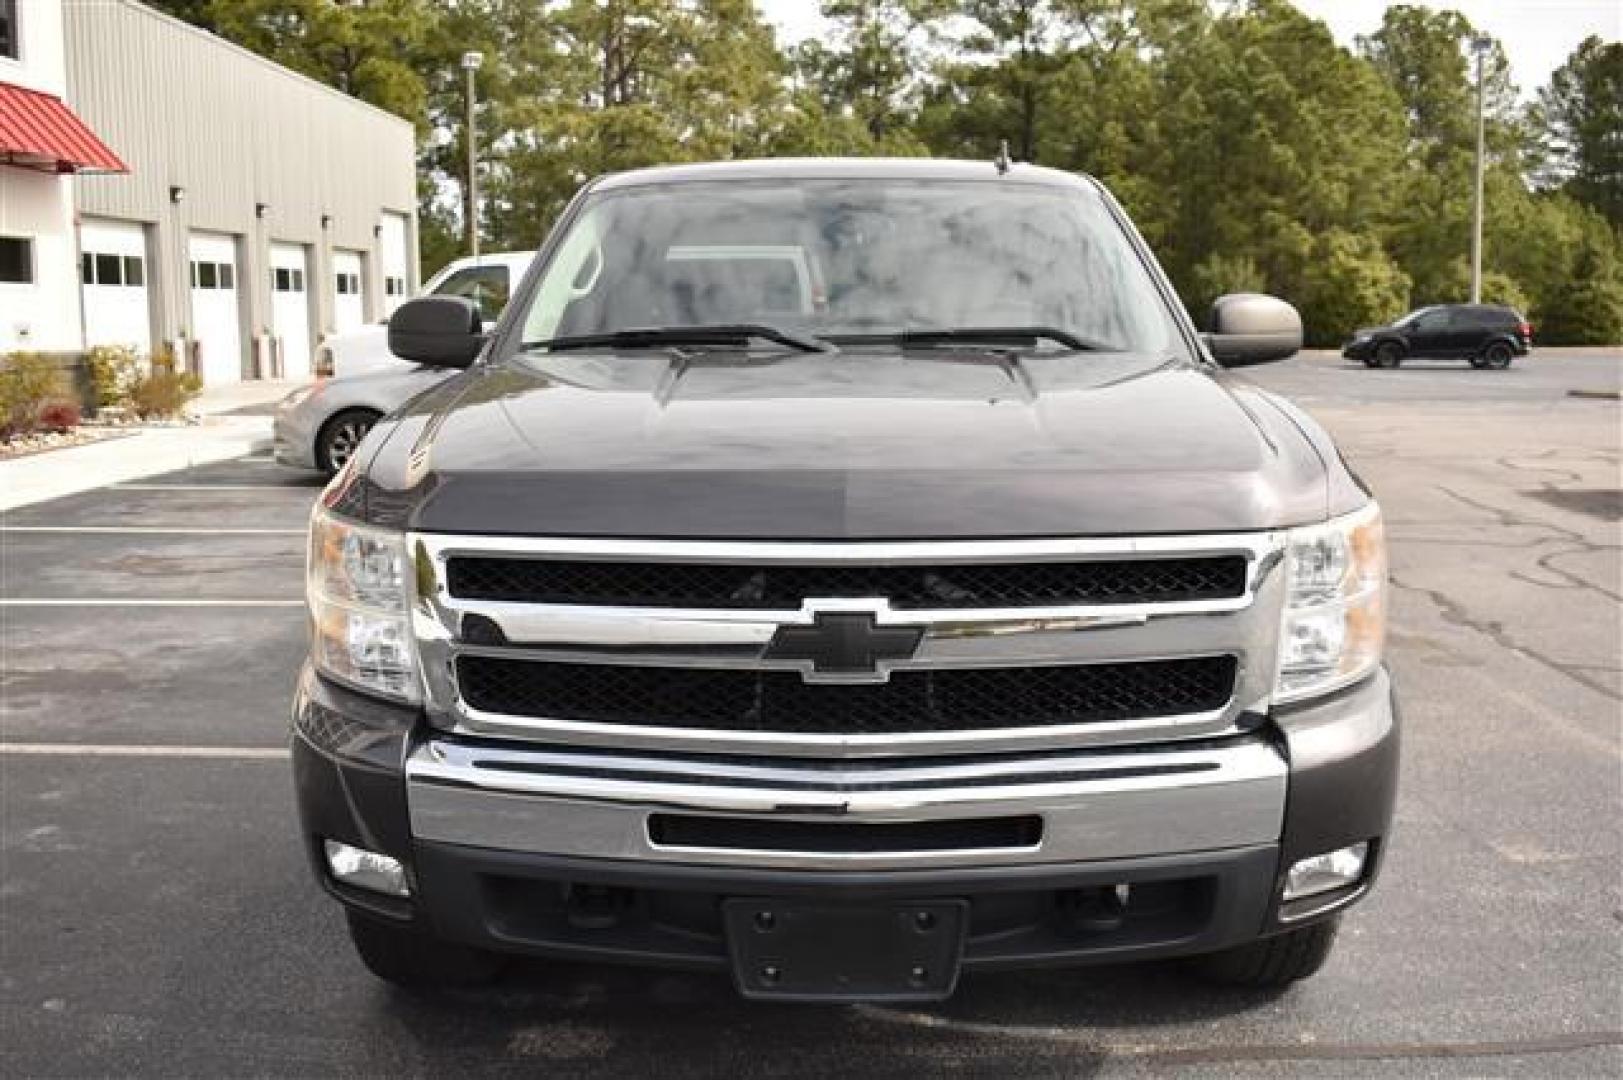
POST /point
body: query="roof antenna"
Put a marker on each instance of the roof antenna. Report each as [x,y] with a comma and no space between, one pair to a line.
[1002,160]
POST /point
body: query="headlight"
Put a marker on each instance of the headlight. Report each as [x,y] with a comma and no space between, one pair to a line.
[1334,626]
[357,583]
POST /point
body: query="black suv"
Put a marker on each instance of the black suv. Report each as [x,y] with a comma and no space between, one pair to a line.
[1488,335]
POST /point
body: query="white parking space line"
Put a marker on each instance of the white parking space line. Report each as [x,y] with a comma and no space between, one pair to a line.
[226,753]
[12,601]
[146,530]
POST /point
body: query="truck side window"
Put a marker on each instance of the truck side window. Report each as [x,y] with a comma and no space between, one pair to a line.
[486,286]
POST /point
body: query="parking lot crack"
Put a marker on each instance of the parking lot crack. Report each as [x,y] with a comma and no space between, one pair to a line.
[1455,613]
[1514,520]
[1573,581]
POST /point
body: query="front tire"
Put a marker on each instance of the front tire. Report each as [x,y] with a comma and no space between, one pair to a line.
[1272,963]
[1497,356]
[416,960]
[339,437]
[1389,354]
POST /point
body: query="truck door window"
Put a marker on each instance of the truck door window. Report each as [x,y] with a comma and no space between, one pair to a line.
[486,286]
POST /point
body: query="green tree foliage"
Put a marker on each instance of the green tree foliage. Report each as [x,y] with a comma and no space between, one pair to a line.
[1583,108]
[1591,308]
[366,50]
[1348,280]
[645,82]
[1423,55]
[1253,151]
[854,93]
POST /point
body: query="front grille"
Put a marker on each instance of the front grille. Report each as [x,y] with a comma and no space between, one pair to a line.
[951,585]
[922,701]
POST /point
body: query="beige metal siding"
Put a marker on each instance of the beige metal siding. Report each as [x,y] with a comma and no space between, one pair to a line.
[184,108]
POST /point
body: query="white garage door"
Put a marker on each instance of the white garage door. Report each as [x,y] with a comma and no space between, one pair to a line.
[113,279]
[392,249]
[216,326]
[348,309]
[290,308]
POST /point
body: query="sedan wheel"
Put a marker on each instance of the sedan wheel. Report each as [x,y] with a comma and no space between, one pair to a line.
[340,436]
[1497,356]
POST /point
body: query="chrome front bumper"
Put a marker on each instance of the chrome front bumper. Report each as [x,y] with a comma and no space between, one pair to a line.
[1095,804]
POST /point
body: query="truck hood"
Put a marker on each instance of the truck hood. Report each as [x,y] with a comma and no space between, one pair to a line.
[856,445]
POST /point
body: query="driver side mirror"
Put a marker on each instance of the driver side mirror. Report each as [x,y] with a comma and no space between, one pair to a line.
[440,331]
[1251,328]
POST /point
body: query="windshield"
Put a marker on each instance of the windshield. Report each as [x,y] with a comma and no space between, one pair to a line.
[850,258]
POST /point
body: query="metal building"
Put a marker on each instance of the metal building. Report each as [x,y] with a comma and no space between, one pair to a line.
[261,211]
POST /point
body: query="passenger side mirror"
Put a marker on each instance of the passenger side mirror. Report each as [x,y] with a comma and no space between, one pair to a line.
[440,331]
[1250,328]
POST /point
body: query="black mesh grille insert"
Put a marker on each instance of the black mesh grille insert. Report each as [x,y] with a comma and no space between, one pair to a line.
[959,699]
[969,585]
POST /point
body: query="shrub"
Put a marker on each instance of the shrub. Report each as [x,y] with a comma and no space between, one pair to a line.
[1218,274]
[1349,282]
[162,392]
[59,416]
[114,370]
[27,382]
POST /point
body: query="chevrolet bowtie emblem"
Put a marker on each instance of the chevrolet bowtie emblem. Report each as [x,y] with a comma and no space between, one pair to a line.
[844,646]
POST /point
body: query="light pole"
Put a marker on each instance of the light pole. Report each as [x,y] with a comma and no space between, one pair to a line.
[1480,46]
[470,64]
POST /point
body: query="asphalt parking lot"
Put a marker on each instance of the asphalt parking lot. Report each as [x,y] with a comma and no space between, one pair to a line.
[158,918]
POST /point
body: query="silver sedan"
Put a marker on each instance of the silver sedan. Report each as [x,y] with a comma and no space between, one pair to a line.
[319,426]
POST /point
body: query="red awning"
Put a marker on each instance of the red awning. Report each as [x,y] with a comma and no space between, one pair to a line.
[37,131]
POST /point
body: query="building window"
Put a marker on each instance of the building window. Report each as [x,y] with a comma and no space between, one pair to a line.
[97,269]
[8,29]
[16,259]
[109,270]
[349,284]
[394,286]
[213,275]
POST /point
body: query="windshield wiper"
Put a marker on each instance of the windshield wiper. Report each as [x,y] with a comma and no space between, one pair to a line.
[655,337]
[1012,336]
[1009,337]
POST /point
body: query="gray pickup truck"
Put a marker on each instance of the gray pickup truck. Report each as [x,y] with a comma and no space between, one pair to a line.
[846,575]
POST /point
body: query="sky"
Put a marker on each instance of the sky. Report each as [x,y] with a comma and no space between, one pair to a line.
[1538,35]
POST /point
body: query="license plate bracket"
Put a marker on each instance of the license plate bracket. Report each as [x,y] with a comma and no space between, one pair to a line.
[885,951]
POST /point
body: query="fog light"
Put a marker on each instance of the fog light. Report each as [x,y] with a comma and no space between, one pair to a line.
[366,869]
[1326,873]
